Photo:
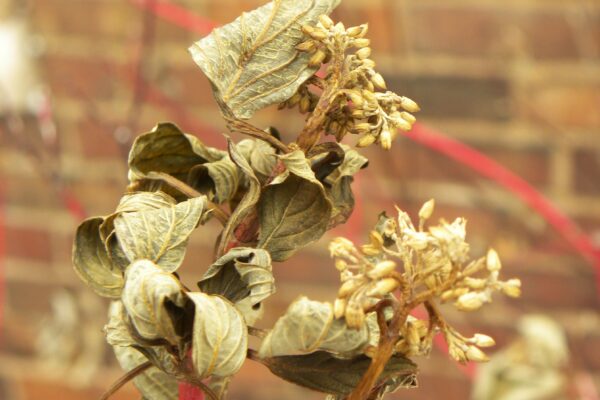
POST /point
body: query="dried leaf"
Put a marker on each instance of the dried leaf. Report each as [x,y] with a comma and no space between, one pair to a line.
[159,235]
[323,372]
[116,331]
[218,179]
[167,149]
[153,383]
[220,336]
[150,297]
[308,326]
[91,260]
[260,155]
[242,272]
[292,214]
[252,62]
[297,164]
[246,205]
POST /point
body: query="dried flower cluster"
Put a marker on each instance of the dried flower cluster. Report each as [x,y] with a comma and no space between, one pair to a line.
[273,198]
[434,268]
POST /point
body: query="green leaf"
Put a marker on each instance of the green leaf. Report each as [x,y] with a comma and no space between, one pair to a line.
[159,235]
[153,383]
[219,179]
[241,273]
[325,373]
[150,297]
[247,205]
[167,149]
[252,62]
[308,326]
[220,336]
[292,214]
[91,261]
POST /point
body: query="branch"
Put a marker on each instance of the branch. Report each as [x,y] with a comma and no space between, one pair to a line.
[237,125]
[126,378]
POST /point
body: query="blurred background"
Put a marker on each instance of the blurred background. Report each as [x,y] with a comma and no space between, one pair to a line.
[517,81]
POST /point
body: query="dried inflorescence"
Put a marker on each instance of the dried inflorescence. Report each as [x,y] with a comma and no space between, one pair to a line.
[433,268]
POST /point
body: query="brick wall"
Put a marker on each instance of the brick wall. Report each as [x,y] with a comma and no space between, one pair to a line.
[518,80]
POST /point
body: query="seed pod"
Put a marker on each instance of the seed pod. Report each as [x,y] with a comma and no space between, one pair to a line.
[382,269]
[427,209]
[325,21]
[339,308]
[409,105]
[366,140]
[385,138]
[317,58]
[408,117]
[360,43]
[492,261]
[363,53]
[307,46]
[378,81]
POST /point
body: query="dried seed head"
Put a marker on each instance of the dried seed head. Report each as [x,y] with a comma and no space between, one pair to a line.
[473,353]
[326,21]
[492,261]
[427,209]
[366,140]
[364,53]
[409,105]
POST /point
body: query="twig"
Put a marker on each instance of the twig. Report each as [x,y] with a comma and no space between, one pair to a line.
[237,125]
[126,378]
[189,191]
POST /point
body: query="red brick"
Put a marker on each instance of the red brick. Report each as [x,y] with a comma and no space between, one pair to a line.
[587,172]
[385,30]
[549,35]
[28,243]
[98,140]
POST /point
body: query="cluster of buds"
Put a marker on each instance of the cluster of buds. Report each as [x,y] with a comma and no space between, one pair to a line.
[360,103]
[433,266]
[365,281]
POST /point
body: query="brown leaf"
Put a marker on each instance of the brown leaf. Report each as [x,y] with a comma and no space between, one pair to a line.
[253,62]
[91,261]
[219,179]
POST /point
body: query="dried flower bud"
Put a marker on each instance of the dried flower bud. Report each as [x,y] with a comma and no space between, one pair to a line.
[341,265]
[475,283]
[482,340]
[457,353]
[341,247]
[366,140]
[339,308]
[492,261]
[384,286]
[408,117]
[475,354]
[361,43]
[317,58]
[355,316]
[378,81]
[382,269]
[385,138]
[469,302]
[349,287]
[362,127]
[355,97]
[305,104]
[512,288]
[427,209]
[307,46]
[364,53]
[403,124]
[339,28]
[409,105]
[325,21]
[358,31]
[315,33]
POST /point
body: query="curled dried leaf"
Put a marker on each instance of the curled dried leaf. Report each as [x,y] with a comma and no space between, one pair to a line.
[220,336]
[253,61]
[218,179]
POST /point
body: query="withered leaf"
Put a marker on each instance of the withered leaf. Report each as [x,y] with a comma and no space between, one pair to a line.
[167,149]
[91,260]
[308,326]
[219,179]
[297,164]
[260,155]
[150,297]
[323,372]
[159,235]
[116,331]
[253,62]
[242,272]
[220,336]
[292,214]
[248,202]
[153,383]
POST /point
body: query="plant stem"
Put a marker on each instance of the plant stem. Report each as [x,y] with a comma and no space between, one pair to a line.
[126,378]
[237,125]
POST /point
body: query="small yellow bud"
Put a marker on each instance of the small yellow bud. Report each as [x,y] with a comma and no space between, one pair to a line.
[376,239]
[366,140]
[482,340]
[349,287]
[409,105]
[317,58]
[315,33]
[475,354]
[402,124]
[382,269]
[325,21]
[358,113]
[305,104]
[427,209]
[362,127]
[360,43]
[339,27]
[412,335]
[408,117]
[363,53]
[492,261]
[368,63]
[384,287]
[385,138]
[512,288]
[341,265]
[358,31]
[339,308]
[378,81]
[469,302]
[474,283]
[308,46]
[355,316]
[295,99]
[356,98]
[370,250]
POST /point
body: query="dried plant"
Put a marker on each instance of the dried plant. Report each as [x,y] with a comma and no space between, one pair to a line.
[272,199]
